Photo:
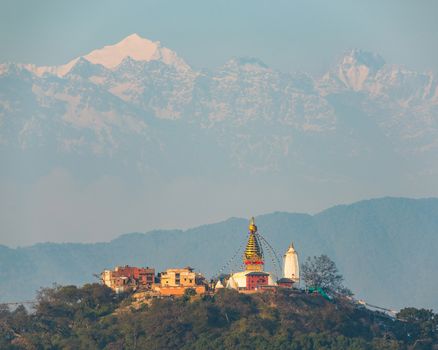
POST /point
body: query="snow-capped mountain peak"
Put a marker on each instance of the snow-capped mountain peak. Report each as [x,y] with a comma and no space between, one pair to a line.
[138,49]
[133,46]
[110,56]
[111,91]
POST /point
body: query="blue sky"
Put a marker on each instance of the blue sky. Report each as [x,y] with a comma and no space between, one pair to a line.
[288,35]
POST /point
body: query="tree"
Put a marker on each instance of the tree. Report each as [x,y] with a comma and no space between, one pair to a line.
[321,271]
[419,325]
[188,293]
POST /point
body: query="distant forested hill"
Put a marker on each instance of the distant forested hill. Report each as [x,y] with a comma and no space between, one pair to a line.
[385,248]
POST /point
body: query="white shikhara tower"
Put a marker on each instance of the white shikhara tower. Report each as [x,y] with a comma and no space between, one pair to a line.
[291,268]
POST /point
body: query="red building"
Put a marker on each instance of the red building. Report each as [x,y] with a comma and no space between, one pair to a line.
[126,278]
[285,282]
[143,276]
[256,279]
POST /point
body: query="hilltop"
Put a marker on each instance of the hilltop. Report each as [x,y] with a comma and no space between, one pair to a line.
[93,317]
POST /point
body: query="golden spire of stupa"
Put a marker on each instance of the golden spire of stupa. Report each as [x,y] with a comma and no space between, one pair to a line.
[253,252]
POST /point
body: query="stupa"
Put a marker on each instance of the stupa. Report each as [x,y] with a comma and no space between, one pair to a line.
[254,276]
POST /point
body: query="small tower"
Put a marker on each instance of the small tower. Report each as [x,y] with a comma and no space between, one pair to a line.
[231,283]
[291,266]
[253,256]
[219,285]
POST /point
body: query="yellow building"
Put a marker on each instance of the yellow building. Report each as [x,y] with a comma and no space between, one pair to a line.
[174,282]
[179,290]
[178,278]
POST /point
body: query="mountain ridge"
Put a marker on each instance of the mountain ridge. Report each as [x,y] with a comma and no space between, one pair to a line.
[370,251]
[107,103]
[238,219]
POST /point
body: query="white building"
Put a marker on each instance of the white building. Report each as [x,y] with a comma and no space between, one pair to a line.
[291,268]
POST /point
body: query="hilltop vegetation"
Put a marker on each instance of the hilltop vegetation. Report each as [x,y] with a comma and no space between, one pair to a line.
[93,317]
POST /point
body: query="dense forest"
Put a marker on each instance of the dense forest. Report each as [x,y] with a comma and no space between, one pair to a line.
[93,317]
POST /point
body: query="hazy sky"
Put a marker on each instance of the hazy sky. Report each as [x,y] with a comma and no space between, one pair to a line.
[288,35]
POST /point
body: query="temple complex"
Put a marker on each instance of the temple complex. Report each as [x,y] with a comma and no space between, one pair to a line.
[176,281]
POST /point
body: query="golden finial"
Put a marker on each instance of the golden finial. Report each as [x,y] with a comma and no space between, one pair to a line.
[252,227]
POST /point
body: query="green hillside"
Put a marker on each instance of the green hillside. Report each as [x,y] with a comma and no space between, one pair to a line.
[93,317]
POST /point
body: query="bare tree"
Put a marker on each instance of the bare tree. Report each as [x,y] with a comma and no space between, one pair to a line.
[321,271]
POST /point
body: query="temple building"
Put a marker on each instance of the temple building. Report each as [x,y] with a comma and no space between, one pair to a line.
[291,265]
[291,268]
[253,277]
